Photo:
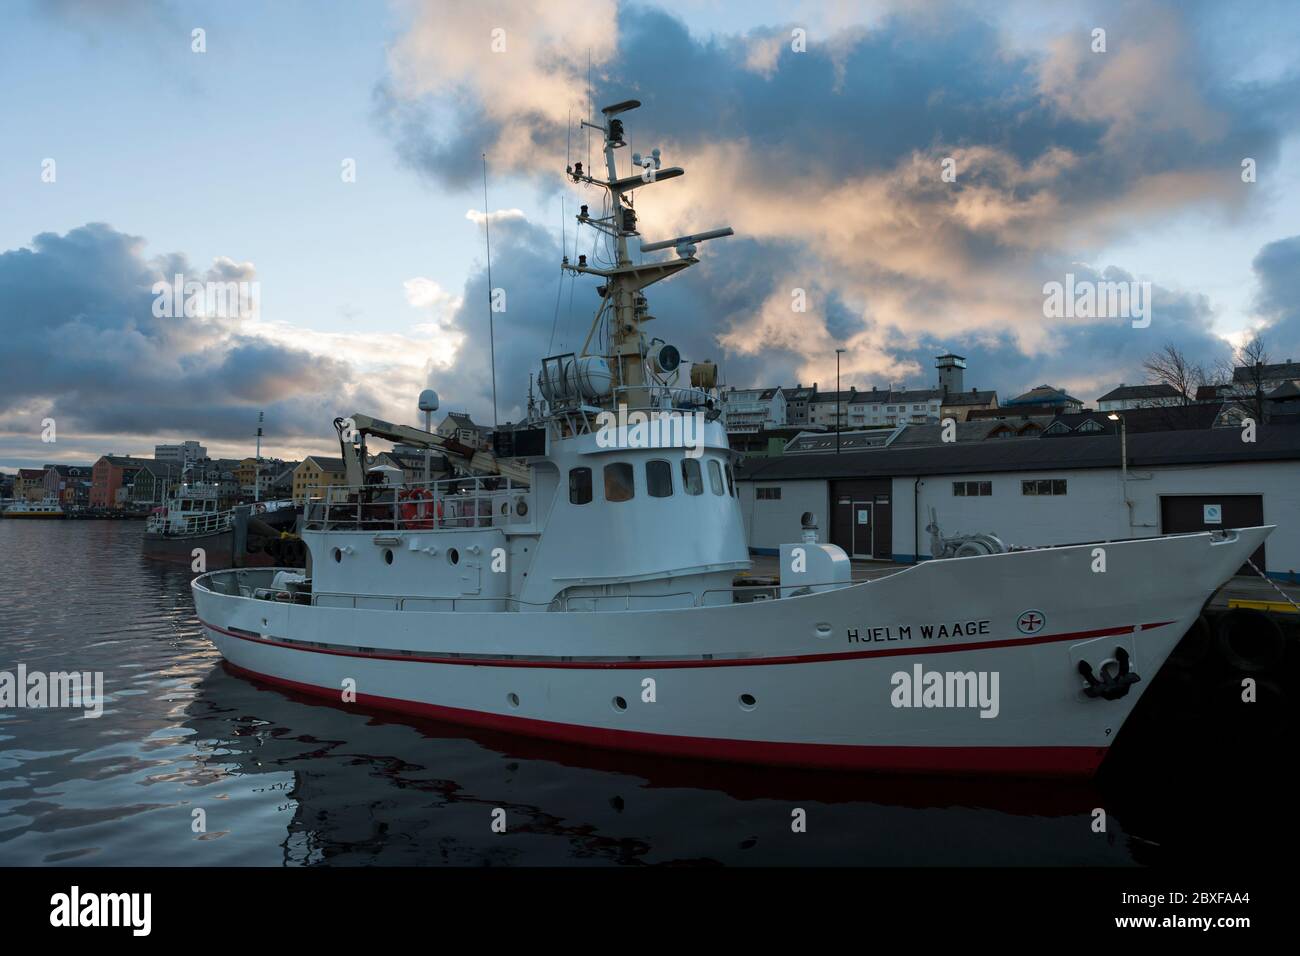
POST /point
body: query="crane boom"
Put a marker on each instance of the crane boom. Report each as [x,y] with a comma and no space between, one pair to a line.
[483,462]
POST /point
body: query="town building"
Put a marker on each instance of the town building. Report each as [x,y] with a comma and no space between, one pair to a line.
[153,483]
[1140,396]
[1046,397]
[315,474]
[767,441]
[458,426]
[70,484]
[875,503]
[1247,378]
[180,455]
[750,410]
[797,401]
[29,484]
[111,479]
[831,409]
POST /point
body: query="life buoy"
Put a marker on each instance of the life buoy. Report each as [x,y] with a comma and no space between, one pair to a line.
[417,508]
[261,508]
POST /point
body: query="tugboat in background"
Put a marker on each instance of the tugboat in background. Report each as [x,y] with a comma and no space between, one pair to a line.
[256,535]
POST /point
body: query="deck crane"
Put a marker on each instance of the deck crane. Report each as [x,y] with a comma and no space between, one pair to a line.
[353,430]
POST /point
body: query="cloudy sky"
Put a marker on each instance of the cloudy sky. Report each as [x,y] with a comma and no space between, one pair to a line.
[818,131]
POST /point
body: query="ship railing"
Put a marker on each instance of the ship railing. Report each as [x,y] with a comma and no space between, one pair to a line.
[411,602]
[206,523]
[656,397]
[574,604]
[448,503]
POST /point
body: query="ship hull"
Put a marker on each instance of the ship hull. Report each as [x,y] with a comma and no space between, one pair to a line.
[218,550]
[34,515]
[832,679]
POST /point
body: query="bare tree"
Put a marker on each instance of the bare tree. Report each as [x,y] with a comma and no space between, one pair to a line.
[1250,373]
[1171,366]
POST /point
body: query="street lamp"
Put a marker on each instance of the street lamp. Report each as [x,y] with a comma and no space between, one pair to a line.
[1123,442]
[838,399]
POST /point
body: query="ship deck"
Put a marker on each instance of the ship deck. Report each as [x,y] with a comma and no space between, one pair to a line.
[1241,591]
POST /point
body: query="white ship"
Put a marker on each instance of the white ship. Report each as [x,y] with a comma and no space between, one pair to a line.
[45,508]
[581,589]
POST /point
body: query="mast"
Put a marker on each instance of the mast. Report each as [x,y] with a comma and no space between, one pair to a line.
[257,467]
[623,307]
[492,341]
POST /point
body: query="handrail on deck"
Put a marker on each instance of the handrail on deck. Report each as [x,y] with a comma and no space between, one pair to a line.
[447,503]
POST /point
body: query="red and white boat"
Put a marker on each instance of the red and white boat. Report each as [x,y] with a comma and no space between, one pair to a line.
[581,589]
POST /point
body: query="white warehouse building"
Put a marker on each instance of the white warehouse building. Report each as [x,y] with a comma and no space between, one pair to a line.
[875,503]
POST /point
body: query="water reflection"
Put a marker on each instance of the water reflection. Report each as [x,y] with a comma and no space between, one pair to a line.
[282,780]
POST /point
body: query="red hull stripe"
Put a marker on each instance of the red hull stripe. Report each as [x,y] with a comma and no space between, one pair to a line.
[659,665]
[1023,761]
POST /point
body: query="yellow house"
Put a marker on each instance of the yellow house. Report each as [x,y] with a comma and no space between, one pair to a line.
[315,474]
[246,474]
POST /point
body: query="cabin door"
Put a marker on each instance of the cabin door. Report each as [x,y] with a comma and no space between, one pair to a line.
[862,529]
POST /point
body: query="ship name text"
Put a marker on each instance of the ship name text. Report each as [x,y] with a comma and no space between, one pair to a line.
[888,633]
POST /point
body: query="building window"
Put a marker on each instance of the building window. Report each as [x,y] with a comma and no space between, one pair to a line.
[618,482]
[692,480]
[715,477]
[1043,486]
[579,486]
[767,494]
[658,478]
[972,489]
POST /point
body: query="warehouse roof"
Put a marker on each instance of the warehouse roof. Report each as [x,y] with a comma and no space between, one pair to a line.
[1274,443]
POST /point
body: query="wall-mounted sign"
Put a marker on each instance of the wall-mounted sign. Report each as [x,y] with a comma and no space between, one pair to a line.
[864,516]
[1213,514]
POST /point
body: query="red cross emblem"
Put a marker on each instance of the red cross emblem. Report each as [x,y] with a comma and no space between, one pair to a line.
[1031,622]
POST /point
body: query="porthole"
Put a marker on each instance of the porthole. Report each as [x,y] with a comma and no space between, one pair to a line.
[388,555]
[453,556]
[748,702]
[512,699]
[618,703]
[505,508]
[338,555]
[521,508]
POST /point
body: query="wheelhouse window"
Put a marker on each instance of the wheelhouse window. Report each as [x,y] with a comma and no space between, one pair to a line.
[579,486]
[658,478]
[768,494]
[972,489]
[618,482]
[692,479]
[715,476]
[731,482]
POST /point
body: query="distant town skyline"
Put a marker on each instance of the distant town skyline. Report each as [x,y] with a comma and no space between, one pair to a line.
[915,180]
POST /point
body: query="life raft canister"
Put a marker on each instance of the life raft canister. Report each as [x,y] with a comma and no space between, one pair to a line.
[417,508]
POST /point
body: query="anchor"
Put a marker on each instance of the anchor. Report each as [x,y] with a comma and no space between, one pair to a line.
[1109,687]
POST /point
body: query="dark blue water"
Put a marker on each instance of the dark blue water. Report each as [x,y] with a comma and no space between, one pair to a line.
[286,781]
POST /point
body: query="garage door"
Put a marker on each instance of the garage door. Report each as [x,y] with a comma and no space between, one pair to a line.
[1182,513]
